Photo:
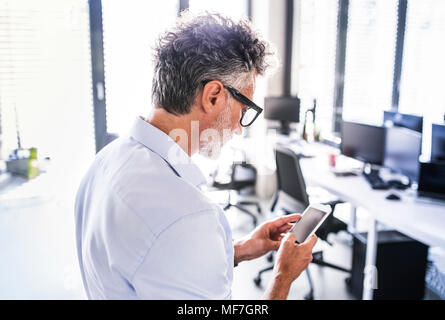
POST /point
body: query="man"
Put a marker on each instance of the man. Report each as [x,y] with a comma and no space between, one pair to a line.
[144,228]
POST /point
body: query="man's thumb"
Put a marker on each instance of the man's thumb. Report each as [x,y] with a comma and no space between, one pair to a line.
[311,241]
[289,237]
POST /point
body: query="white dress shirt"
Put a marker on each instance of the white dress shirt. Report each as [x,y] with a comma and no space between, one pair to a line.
[144,229]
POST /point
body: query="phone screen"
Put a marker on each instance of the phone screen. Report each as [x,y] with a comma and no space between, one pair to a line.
[308,222]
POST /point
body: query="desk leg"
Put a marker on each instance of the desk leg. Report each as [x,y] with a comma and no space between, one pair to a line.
[370,271]
[352,225]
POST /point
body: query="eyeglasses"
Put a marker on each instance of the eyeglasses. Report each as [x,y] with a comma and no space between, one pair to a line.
[250,113]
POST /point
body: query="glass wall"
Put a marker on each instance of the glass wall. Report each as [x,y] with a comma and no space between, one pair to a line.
[130,31]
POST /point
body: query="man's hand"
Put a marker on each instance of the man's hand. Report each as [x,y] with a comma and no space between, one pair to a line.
[291,260]
[264,238]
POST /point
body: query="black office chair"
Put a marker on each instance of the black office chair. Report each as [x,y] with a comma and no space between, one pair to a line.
[238,182]
[292,197]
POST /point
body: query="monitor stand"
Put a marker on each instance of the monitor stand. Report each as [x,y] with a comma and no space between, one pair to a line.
[284,128]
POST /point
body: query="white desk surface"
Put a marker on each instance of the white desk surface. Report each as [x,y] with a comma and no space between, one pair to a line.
[422,221]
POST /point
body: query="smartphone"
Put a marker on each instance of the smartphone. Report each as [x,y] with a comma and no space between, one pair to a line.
[311,219]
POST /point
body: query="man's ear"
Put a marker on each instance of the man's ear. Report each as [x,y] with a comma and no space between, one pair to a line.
[212,94]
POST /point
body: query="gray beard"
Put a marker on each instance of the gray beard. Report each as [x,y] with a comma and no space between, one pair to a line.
[222,126]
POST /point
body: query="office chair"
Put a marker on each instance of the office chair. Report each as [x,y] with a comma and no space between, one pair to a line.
[292,197]
[242,175]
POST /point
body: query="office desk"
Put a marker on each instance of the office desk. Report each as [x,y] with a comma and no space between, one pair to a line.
[421,221]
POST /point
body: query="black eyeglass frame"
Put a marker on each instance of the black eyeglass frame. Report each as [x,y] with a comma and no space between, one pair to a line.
[244,100]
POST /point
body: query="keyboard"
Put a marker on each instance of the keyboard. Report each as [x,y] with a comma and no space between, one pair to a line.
[376,182]
[397,184]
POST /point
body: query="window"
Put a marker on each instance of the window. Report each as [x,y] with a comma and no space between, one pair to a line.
[423,59]
[421,87]
[317,29]
[130,31]
[370,50]
[232,8]
[45,80]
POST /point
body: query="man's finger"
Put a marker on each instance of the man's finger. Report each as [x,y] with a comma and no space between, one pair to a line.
[286,219]
[285,228]
[289,238]
[281,236]
[311,241]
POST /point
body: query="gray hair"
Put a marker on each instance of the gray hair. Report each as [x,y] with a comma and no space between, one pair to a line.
[205,47]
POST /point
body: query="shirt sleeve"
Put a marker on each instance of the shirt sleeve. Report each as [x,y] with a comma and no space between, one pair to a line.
[188,260]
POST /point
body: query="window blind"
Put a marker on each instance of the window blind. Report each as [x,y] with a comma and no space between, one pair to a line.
[45,79]
[423,59]
[423,66]
[370,50]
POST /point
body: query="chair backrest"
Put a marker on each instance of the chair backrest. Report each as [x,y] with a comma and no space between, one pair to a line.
[292,195]
[242,175]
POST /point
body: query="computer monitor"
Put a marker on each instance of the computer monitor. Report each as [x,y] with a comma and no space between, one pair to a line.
[438,143]
[402,150]
[283,109]
[432,180]
[403,120]
[363,142]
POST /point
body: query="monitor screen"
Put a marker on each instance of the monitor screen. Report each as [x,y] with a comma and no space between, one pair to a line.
[438,143]
[282,109]
[432,179]
[408,121]
[310,219]
[402,150]
[363,142]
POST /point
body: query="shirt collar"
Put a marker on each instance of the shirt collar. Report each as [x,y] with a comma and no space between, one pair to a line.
[161,144]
